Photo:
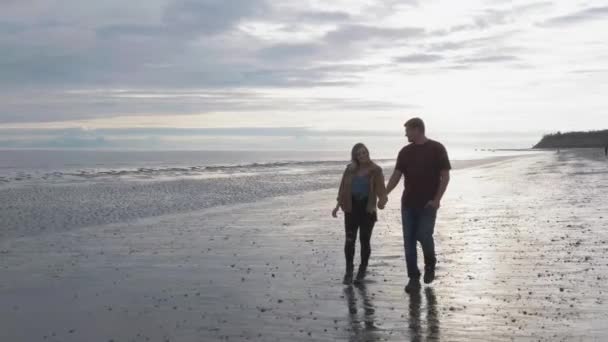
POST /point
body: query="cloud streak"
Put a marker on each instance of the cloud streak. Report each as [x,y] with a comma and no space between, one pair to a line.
[589,14]
[106,104]
[419,58]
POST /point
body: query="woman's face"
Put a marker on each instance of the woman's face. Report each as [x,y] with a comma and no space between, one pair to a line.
[362,155]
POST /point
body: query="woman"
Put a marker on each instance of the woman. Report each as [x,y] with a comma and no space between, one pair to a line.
[362,186]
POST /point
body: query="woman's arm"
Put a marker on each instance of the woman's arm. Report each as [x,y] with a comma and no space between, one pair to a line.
[340,190]
[334,212]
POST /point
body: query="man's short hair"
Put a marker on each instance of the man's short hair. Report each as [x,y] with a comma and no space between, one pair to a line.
[415,123]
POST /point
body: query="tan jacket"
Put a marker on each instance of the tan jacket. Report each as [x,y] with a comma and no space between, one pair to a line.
[377,189]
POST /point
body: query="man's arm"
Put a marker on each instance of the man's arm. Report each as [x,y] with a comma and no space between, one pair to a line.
[444,177]
[443,185]
[393,181]
[381,190]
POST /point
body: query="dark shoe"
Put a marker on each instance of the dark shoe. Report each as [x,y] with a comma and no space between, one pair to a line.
[360,275]
[429,275]
[413,285]
[348,278]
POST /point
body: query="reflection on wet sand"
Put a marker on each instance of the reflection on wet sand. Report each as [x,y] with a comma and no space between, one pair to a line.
[362,328]
[432,320]
[362,319]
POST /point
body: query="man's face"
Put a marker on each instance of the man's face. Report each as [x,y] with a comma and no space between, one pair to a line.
[411,133]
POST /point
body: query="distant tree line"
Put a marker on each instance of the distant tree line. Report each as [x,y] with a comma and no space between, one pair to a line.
[574,140]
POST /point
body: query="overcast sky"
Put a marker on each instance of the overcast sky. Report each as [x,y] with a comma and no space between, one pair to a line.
[485,65]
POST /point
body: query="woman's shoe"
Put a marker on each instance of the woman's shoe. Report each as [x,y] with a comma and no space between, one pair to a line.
[360,275]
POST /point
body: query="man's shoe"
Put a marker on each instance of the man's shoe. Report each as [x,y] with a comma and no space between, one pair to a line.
[348,278]
[429,275]
[413,285]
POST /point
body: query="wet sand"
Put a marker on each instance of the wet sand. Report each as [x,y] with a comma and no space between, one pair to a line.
[522,247]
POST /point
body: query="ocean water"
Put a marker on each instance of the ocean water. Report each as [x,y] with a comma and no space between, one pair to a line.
[56,190]
[53,166]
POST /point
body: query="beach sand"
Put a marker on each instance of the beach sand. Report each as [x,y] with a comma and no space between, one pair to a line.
[522,247]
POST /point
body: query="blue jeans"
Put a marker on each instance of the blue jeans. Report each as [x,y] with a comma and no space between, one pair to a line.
[418,225]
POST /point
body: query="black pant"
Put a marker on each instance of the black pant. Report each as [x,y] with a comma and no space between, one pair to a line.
[357,219]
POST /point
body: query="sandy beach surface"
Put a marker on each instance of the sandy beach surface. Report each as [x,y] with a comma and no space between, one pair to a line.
[522,247]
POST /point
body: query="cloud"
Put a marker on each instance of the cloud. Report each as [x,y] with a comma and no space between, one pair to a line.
[589,71]
[8,27]
[107,51]
[323,16]
[288,51]
[188,19]
[357,33]
[489,59]
[84,105]
[131,30]
[492,39]
[492,17]
[210,16]
[346,41]
[594,13]
[419,58]
[188,44]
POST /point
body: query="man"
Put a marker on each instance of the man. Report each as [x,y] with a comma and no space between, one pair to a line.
[425,165]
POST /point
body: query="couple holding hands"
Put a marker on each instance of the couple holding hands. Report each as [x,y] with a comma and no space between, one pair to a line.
[425,167]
